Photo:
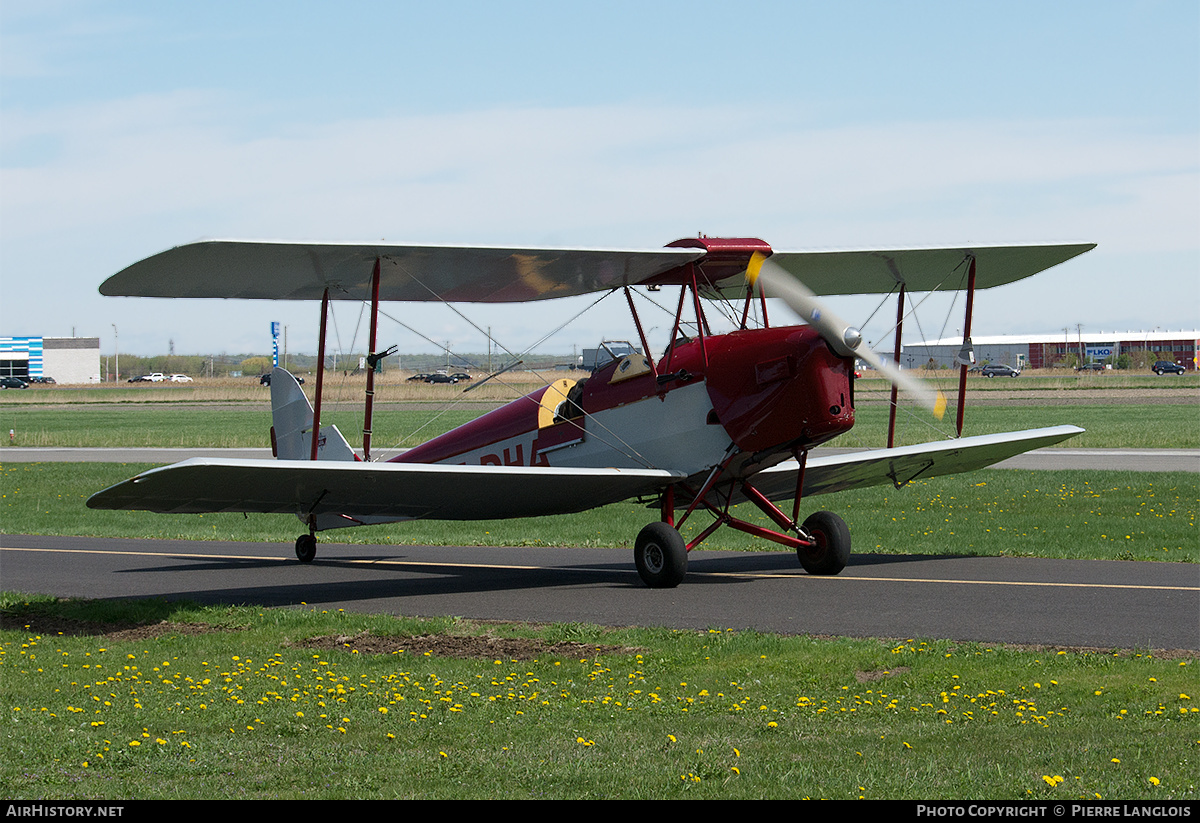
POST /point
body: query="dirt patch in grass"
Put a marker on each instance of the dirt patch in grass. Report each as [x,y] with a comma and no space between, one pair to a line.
[484,646]
[45,625]
[487,647]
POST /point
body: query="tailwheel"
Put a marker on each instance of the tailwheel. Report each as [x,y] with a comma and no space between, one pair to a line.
[660,556]
[306,548]
[831,551]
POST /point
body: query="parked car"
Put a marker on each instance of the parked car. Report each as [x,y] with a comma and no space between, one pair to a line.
[1162,367]
[157,377]
[180,378]
[47,381]
[440,378]
[1090,367]
[999,370]
[462,375]
[13,383]
[144,378]
[418,378]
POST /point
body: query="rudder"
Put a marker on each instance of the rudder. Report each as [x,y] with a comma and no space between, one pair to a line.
[292,422]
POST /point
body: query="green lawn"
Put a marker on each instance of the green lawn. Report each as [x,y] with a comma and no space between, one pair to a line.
[263,709]
[1147,425]
[301,703]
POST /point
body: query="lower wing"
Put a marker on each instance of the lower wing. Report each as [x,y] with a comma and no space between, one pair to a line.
[835,473]
[346,494]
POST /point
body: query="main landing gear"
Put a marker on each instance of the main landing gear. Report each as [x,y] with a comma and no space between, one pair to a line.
[660,553]
[830,549]
[661,556]
[822,546]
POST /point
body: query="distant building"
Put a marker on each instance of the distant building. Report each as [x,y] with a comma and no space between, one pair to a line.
[1040,351]
[66,359]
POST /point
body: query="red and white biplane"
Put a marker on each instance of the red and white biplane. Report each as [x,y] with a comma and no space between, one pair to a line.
[716,420]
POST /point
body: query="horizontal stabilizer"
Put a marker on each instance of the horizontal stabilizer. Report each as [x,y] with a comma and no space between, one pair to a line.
[376,490]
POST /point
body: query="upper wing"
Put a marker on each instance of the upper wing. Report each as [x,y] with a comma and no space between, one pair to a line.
[303,271]
[375,490]
[835,473]
[879,272]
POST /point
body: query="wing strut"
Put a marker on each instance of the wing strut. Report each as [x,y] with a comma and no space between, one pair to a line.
[369,405]
[320,374]
[962,367]
[896,356]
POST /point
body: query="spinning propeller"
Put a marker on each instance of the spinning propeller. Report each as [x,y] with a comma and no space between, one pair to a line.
[845,339]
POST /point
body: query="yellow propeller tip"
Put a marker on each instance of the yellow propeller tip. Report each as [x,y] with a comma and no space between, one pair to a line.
[754,268]
[939,406]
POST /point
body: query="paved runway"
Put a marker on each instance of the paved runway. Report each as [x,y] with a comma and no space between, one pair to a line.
[1099,604]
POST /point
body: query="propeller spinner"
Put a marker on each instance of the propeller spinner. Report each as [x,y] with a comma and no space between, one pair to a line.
[845,339]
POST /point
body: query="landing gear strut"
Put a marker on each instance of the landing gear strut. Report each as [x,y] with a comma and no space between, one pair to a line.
[660,556]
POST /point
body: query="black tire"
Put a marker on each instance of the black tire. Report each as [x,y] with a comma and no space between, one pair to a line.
[660,556]
[306,548]
[832,550]
[989,374]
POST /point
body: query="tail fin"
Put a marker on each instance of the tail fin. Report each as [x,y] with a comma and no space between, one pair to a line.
[292,422]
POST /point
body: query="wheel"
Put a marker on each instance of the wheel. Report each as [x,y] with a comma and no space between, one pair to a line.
[989,374]
[306,548]
[832,550]
[660,556]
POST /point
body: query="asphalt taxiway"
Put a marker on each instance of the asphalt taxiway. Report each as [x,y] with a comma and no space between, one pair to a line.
[1073,603]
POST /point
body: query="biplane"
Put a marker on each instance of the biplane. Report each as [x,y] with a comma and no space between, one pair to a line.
[715,420]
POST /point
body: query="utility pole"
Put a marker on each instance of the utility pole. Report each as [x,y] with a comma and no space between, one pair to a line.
[117,349]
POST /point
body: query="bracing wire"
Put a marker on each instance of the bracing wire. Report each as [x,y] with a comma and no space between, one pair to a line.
[620,445]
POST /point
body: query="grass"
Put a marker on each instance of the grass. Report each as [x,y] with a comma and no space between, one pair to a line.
[208,427]
[244,703]
[398,426]
[1063,514]
[201,703]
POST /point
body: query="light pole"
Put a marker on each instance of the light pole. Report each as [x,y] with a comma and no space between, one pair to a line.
[117,348]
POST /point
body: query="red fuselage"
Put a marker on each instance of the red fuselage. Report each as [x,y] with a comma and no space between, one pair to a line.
[770,392]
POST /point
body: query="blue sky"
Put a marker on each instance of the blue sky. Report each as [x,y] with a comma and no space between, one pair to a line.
[130,127]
